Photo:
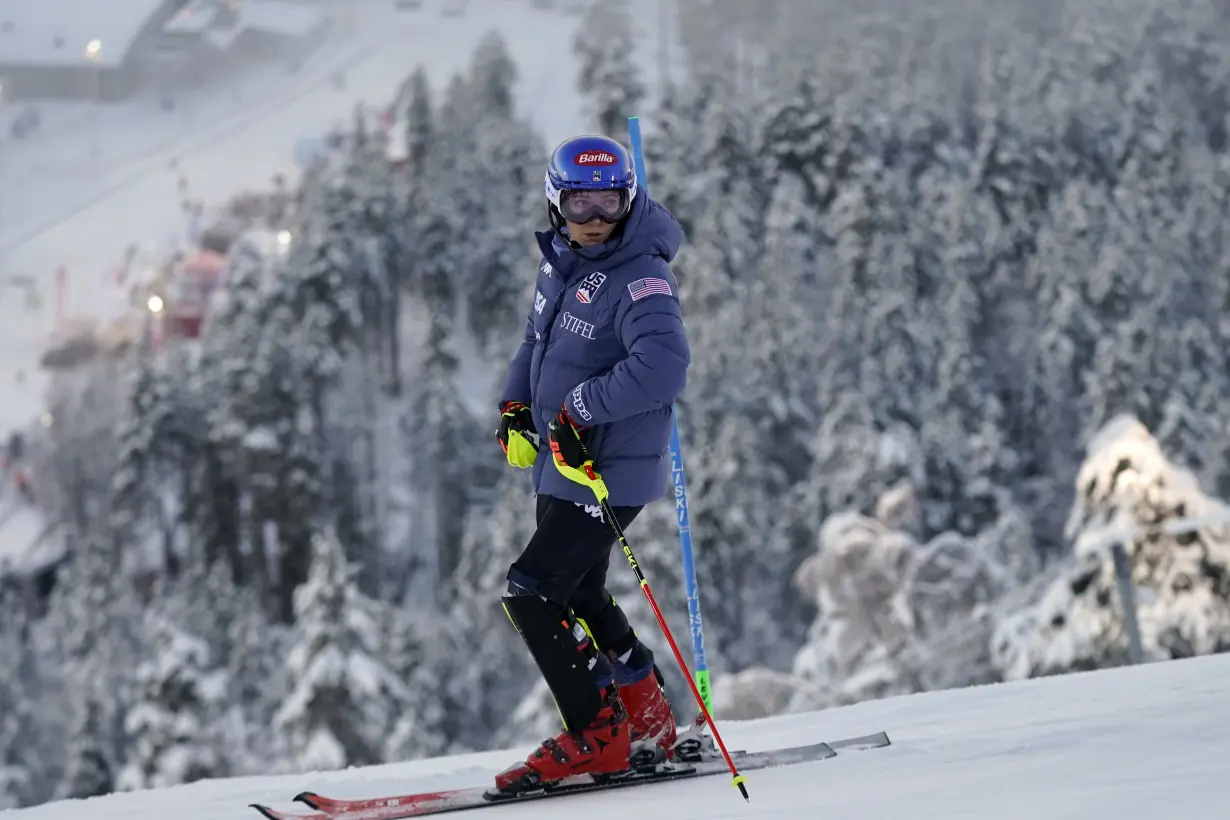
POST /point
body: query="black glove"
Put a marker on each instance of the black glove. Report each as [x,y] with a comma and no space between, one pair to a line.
[517,436]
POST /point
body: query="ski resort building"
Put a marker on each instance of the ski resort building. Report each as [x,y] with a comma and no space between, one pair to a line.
[80,49]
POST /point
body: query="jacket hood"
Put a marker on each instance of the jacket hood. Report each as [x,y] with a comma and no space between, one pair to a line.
[649,230]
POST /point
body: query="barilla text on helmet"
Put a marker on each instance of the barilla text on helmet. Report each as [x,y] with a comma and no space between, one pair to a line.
[595,158]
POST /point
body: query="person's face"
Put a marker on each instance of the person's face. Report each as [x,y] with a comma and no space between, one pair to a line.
[590,205]
[593,232]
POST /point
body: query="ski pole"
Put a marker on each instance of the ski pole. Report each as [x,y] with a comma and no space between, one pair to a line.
[585,474]
[682,518]
[600,491]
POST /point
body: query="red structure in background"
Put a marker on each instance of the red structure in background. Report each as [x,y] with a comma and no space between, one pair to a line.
[189,291]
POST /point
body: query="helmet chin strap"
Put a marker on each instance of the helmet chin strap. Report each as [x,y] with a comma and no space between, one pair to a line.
[557,225]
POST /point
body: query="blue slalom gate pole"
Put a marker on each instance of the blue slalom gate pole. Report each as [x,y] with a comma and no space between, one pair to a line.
[701,670]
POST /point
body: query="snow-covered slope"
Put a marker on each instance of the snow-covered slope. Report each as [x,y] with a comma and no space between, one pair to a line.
[61,214]
[87,227]
[1143,742]
[140,203]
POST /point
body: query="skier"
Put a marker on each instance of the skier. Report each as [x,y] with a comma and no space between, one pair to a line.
[604,356]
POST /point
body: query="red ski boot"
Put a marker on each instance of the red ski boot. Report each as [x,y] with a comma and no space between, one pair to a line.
[602,748]
[651,723]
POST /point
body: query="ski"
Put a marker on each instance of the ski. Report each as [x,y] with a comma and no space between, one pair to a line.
[400,807]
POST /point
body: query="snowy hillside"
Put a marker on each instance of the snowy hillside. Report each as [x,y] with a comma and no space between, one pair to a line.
[1140,742]
[86,224]
[947,359]
[140,203]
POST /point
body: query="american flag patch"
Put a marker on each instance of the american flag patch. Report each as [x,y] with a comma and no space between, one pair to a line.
[648,287]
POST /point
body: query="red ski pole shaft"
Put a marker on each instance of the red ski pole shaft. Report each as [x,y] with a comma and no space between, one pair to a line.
[739,780]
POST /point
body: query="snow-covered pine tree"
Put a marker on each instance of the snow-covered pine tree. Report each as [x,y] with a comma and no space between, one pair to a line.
[708,30]
[258,686]
[751,417]
[344,697]
[358,420]
[437,233]
[856,646]
[1179,376]
[302,494]
[609,74]
[486,169]
[899,616]
[246,650]
[409,639]
[21,768]
[217,499]
[1053,357]
[481,692]
[459,107]
[269,375]
[331,282]
[1192,412]
[131,503]
[419,124]
[961,423]
[81,450]
[509,161]
[436,219]
[375,212]
[172,737]
[452,190]
[1177,540]
[877,351]
[716,188]
[492,77]
[94,619]
[1118,305]
[672,166]
[91,767]
[207,597]
[444,456]
[160,438]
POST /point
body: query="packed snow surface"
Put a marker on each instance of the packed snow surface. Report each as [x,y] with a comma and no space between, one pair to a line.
[1140,742]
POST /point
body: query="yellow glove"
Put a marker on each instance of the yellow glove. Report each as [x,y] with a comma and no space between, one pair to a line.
[516,429]
[571,456]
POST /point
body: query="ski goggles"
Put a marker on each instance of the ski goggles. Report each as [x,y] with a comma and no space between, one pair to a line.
[584,204]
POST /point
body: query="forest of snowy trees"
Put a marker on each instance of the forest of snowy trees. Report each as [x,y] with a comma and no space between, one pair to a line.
[958,290]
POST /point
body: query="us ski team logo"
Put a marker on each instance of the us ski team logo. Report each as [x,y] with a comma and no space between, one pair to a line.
[589,287]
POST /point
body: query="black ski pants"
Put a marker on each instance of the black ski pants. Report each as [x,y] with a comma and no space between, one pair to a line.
[566,561]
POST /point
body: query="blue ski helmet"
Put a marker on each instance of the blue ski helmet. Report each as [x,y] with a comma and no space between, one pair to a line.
[590,177]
